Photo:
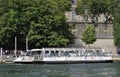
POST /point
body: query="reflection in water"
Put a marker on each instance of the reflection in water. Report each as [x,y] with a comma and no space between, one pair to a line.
[61,70]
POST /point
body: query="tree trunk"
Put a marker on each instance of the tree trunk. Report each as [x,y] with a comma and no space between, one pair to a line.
[88,45]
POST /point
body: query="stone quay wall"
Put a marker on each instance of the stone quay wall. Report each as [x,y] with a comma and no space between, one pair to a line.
[104,34]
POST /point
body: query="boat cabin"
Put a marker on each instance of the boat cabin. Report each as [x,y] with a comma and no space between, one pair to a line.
[65,52]
[64,55]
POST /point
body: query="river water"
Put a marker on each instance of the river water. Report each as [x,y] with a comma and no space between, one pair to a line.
[60,70]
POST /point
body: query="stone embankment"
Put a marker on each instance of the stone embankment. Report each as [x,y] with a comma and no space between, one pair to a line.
[116,57]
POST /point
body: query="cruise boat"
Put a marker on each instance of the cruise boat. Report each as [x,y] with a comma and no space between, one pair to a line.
[65,55]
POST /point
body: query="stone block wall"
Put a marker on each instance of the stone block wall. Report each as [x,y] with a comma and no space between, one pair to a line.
[104,36]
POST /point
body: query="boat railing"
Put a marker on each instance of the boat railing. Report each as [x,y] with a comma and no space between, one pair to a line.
[71,52]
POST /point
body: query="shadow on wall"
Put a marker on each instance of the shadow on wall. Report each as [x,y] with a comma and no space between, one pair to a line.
[77,43]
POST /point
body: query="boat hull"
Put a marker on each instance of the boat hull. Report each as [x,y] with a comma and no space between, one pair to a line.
[64,62]
[64,56]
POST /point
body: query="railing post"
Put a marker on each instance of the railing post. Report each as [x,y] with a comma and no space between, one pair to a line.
[1,53]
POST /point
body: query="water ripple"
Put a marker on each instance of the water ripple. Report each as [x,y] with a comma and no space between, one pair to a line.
[62,70]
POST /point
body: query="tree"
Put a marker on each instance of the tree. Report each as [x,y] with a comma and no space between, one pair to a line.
[42,21]
[50,29]
[6,32]
[63,5]
[89,35]
[12,17]
[116,24]
[93,8]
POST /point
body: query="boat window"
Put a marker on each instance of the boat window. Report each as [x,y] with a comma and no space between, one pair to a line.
[62,53]
[71,51]
[105,54]
[53,54]
[99,52]
[33,53]
[38,52]
[94,54]
[56,51]
[66,54]
[88,52]
[81,53]
[77,53]
[28,53]
[46,52]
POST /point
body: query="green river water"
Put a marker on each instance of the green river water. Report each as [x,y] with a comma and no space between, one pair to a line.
[60,70]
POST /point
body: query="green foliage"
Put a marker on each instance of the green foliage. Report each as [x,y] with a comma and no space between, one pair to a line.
[116,24]
[89,36]
[6,32]
[42,21]
[94,7]
[63,5]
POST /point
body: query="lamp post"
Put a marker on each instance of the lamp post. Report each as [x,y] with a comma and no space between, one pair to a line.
[15,51]
[26,43]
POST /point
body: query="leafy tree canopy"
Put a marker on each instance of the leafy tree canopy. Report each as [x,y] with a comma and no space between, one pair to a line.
[93,9]
[95,6]
[116,24]
[42,21]
[89,35]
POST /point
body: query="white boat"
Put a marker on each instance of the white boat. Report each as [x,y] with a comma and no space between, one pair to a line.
[65,55]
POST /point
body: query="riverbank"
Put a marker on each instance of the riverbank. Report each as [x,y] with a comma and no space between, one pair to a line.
[116,57]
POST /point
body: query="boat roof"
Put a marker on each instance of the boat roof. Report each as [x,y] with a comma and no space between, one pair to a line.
[35,50]
[64,49]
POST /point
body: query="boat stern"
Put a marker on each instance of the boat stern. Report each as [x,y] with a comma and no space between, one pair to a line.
[24,59]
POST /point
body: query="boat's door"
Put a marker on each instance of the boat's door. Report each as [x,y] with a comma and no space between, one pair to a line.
[38,56]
